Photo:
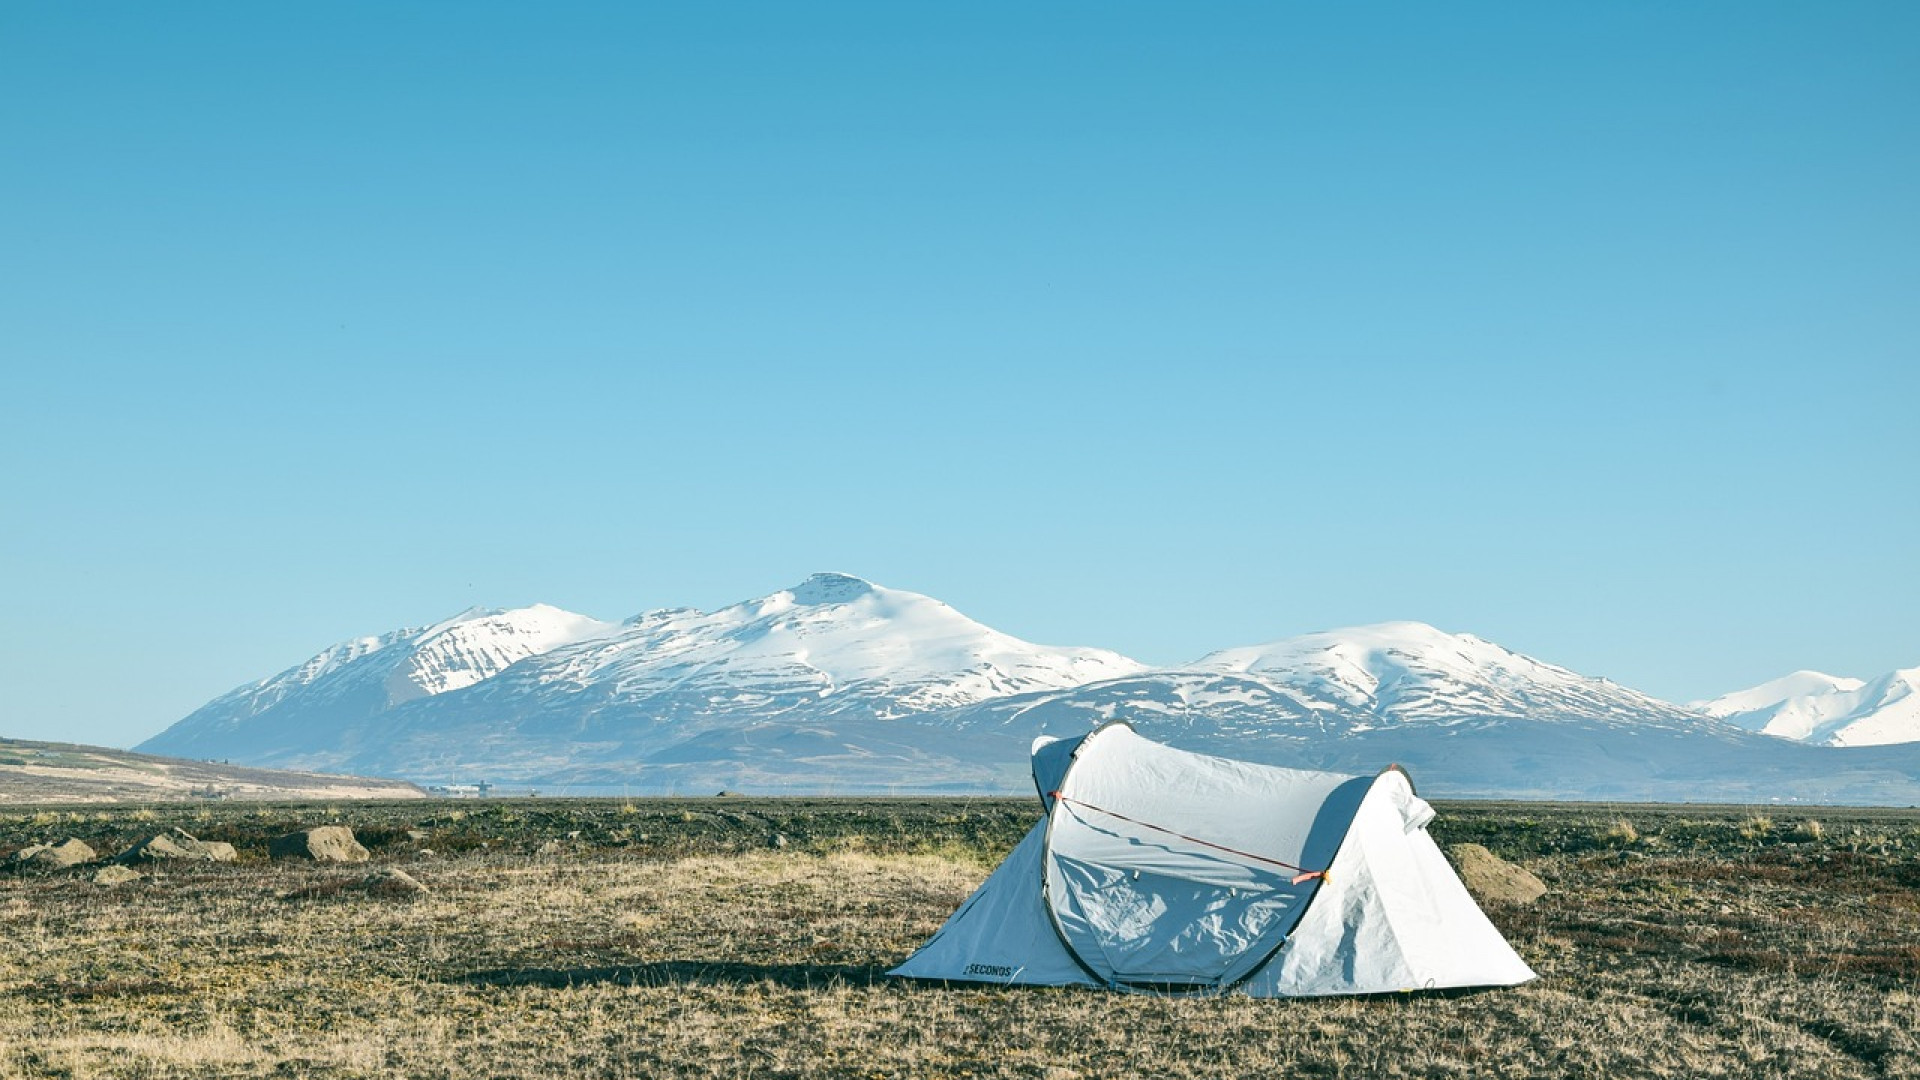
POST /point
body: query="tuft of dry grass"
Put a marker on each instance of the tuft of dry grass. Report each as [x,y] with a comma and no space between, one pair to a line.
[1621,833]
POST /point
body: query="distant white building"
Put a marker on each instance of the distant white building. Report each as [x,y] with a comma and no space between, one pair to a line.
[461,791]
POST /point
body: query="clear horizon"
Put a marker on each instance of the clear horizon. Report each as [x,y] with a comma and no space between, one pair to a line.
[1589,331]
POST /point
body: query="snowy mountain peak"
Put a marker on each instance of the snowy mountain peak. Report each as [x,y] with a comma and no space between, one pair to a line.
[371,674]
[1372,645]
[1366,657]
[480,643]
[1413,671]
[828,593]
[1775,691]
[1888,712]
[823,589]
[832,636]
[1827,710]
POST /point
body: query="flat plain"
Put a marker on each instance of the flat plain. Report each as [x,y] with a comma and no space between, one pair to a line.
[749,937]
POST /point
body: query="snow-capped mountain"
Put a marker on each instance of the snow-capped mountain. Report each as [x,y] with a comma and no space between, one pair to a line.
[1339,684]
[1825,710]
[831,644]
[675,684]
[838,684]
[1408,672]
[363,678]
[1467,716]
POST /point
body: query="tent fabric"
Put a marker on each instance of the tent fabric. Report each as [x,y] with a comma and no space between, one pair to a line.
[1160,870]
[1002,933]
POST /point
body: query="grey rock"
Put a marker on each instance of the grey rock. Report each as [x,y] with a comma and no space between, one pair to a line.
[68,852]
[327,843]
[393,882]
[178,844]
[1493,880]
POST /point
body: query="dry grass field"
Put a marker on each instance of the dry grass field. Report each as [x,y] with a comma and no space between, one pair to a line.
[739,937]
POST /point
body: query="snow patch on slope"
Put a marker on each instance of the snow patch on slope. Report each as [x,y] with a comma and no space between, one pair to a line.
[476,645]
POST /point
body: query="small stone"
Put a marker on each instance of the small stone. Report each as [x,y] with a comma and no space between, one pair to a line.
[327,843]
[416,835]
[426,853]
[777,841]
[393,882]
[109,876]
[69,852]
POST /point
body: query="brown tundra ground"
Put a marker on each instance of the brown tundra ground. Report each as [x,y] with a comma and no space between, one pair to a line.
[744,937]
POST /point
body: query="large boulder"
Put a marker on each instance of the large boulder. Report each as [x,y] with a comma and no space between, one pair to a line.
[1493,880]
[328,843]
[69,852]
[177,844]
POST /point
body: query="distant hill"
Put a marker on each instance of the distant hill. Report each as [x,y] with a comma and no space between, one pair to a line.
[839,685]
[45,772]
[1825,710]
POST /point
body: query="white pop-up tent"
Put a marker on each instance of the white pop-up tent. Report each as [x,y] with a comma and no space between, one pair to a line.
[1164,871]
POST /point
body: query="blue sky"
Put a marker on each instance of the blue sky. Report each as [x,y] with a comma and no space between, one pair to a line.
[1590,329]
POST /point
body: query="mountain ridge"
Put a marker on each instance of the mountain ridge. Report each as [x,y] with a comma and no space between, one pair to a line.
[839,683]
